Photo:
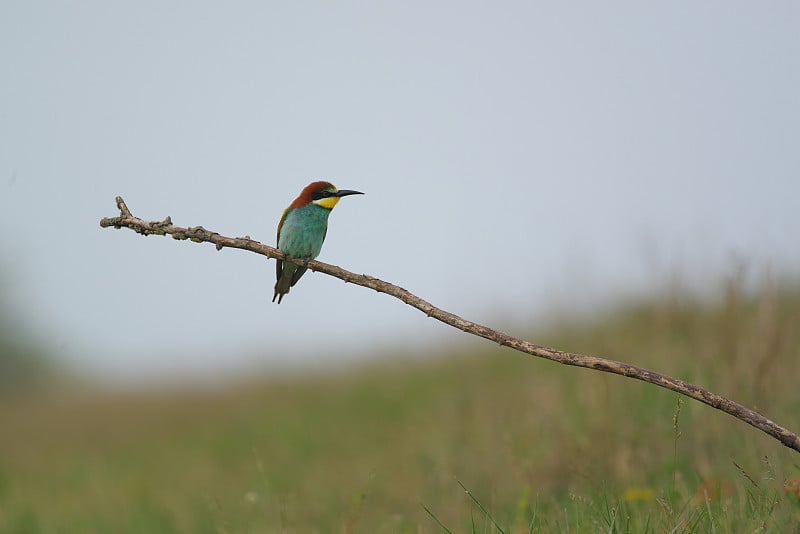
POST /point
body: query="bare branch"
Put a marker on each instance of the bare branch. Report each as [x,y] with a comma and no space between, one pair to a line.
[199,234]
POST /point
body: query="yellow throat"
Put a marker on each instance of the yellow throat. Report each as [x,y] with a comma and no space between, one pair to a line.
[328,203]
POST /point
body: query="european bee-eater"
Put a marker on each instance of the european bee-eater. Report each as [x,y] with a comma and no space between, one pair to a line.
[302,230]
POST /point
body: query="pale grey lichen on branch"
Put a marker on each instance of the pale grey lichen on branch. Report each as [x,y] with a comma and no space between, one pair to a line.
[198,234]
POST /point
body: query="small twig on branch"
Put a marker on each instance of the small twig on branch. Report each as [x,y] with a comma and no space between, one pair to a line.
[199,234]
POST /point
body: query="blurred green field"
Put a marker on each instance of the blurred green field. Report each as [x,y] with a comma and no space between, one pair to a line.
[385,448]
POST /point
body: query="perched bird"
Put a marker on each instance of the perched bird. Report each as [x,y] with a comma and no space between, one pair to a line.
[302,230]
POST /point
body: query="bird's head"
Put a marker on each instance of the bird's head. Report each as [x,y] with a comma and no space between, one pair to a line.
[323,194]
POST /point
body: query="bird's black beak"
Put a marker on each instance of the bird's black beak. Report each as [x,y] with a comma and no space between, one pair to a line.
[345,192]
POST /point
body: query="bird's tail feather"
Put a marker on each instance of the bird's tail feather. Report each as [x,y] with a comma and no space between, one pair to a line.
[288,277]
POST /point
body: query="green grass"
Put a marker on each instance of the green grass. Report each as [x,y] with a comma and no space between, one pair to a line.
[480,440]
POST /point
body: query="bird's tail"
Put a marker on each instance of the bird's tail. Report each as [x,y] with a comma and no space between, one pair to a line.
[289,275]
[282,287]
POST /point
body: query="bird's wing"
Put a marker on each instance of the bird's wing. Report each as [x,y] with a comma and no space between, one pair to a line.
[279,263]
[280,224]
[297,274]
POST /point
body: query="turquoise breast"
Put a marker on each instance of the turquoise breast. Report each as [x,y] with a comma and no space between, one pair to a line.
[303,231]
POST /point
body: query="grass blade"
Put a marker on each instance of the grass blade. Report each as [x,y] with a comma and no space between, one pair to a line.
[433,516]
[484,510]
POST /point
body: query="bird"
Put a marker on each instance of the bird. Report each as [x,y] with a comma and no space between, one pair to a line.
[302,230]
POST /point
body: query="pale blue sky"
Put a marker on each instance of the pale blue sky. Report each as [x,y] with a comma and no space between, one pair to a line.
[516,158]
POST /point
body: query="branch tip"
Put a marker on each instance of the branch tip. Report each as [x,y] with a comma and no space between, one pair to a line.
[123,208]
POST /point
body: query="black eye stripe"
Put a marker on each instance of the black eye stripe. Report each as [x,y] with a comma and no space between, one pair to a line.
[321,194]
